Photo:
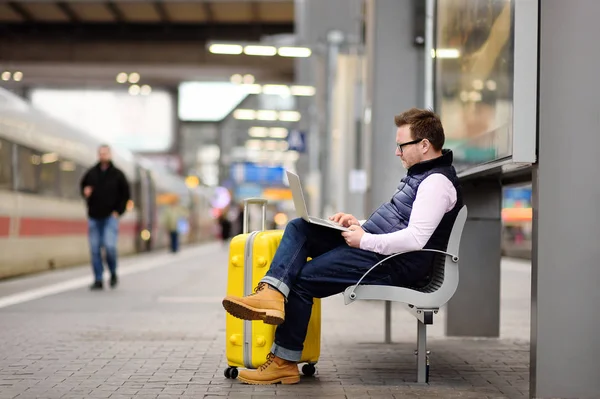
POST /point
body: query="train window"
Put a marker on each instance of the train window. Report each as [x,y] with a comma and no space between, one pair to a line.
[49,175]
[5,165]
[28,169]
[70,176]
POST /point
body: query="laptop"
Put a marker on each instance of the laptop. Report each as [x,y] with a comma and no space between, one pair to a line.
[300,204]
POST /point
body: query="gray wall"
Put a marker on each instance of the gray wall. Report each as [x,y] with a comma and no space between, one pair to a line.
[565,326]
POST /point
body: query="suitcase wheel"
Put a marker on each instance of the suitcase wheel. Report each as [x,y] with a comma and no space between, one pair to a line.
[231,372]
[308,370]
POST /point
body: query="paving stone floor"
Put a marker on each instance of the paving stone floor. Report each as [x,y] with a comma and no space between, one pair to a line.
[161,335]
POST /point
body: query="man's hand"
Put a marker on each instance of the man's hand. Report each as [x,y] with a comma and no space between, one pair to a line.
[354,236]
[345,219]
[87,191]
[115,214]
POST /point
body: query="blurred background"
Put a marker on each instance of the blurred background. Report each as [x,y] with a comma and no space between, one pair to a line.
[206,103]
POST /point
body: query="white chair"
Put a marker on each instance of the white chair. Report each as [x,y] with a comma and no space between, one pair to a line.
[424,302]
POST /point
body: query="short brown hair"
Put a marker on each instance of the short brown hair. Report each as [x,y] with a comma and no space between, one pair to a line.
[424,124]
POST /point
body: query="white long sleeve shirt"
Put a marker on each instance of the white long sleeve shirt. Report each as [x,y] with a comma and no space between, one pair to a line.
[436,195]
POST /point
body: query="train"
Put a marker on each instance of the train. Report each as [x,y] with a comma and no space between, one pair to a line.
[43,217]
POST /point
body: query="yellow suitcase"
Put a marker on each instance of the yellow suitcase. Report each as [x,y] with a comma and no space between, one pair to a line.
[249,342]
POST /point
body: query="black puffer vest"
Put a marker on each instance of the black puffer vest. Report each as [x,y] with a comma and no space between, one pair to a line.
[395,214]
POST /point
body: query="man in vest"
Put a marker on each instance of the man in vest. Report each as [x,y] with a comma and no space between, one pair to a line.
[419,215]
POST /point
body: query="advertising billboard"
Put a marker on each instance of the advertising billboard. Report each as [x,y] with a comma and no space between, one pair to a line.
[485,71]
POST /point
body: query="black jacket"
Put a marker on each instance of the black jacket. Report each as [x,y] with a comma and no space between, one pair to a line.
[110,191]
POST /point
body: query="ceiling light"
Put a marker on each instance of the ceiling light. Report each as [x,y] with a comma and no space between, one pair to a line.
[278,132]
[134,77]
[134,90]
[257,131]
[225,49]
[146,90]
[283,145]
[446,53]
[236,79]
[294,52]
[122,77]
[6,75]
[266,115]
[244,114]
[270,145]
[67,166]
[50,157]
[248,79]
[474,96]
[491,85]
[289,116]
[260,50]
[478,84]
[253,89]
[18,76]
[281,90]
[253,144]
[302,90]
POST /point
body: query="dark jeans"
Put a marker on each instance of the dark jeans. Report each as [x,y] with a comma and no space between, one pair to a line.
[103,233]
[334,267]
[174,236]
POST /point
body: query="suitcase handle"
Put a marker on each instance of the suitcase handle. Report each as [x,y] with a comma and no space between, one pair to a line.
[258,201]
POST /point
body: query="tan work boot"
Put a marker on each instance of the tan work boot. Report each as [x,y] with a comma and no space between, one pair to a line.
[266,304]
[274,371]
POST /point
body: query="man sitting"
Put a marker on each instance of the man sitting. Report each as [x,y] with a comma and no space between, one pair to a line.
[419,215]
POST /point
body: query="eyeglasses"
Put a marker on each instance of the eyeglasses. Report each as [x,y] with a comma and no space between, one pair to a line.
[400,145]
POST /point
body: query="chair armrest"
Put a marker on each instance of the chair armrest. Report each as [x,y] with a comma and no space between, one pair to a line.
[352,295]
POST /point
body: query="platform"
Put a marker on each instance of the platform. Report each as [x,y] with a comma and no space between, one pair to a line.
[160,334]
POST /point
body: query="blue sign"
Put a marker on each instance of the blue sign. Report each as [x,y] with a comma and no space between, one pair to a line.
[248,190]
[252,173]
[297,141]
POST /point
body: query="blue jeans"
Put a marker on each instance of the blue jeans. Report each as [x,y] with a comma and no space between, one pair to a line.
[174,239]
[334,267]
[103,233]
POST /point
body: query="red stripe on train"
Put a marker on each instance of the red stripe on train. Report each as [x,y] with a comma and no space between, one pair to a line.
[4,226]
[59,227]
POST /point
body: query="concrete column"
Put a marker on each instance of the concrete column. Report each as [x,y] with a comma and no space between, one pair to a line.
[475,308]
[314,19]
[565,311]
[394,84]
[314,22]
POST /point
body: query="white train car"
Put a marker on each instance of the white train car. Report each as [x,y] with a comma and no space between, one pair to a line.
[43,221]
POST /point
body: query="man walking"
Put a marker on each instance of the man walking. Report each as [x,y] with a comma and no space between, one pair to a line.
[106,191]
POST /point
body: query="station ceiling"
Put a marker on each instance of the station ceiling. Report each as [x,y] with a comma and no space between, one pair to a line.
[45,36]
[212,19]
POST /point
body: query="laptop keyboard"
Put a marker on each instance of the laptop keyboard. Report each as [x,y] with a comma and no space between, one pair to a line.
[332,223]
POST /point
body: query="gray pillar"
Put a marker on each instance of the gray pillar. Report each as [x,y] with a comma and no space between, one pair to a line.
[565,311]
[475,308]
[314,20]
[394,84]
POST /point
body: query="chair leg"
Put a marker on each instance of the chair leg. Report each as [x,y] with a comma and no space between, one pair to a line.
[388,322]
[422,372]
